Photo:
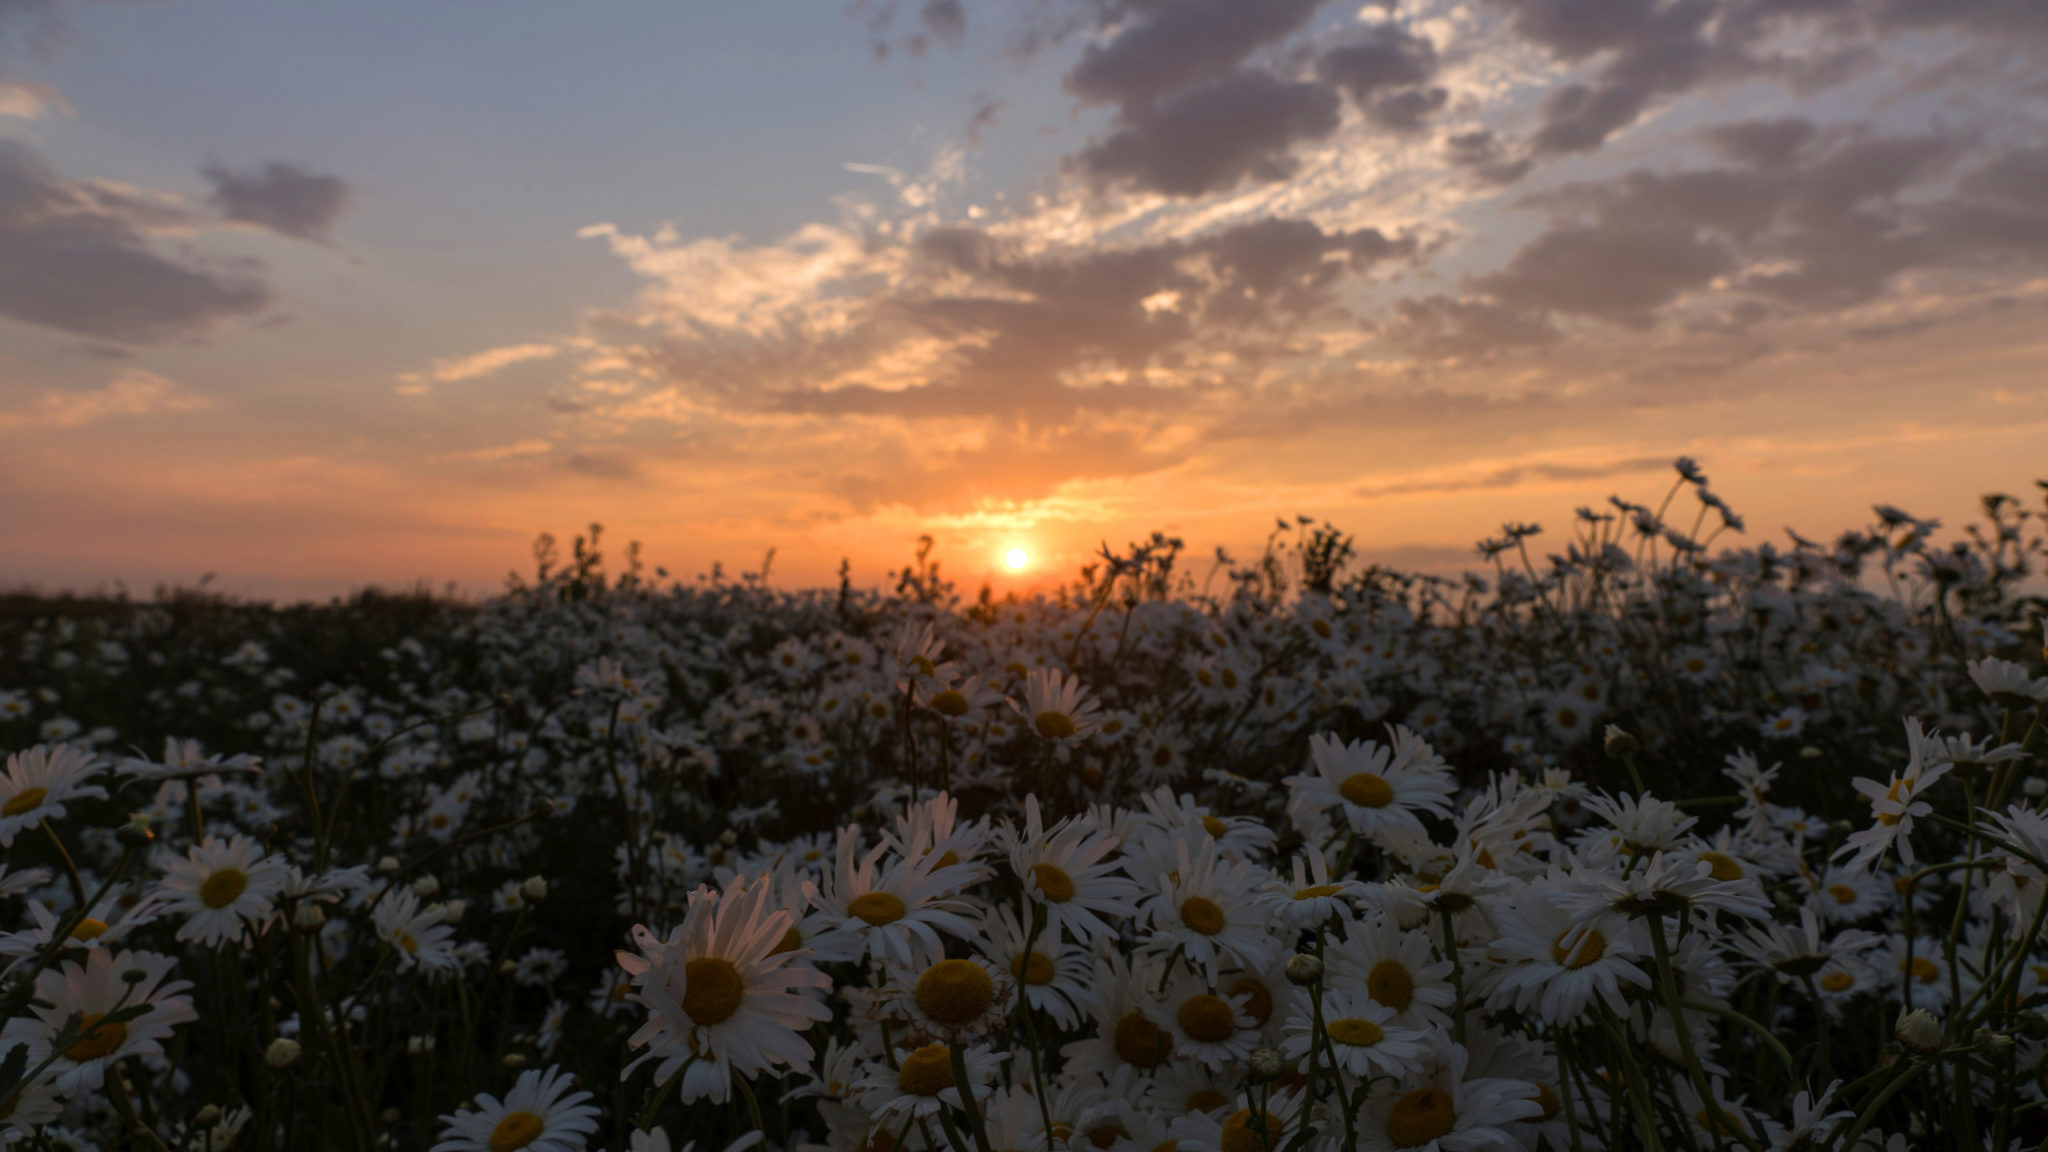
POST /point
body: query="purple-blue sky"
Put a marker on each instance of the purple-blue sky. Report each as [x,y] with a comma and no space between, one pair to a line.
[313,296]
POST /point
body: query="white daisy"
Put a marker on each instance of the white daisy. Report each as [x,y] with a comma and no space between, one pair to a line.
[1442,1111]
[39,782]
[90,994]
[1378,788]
[224,888]
[1364,1040]
[539,1114]
[721,998]
[1069,871]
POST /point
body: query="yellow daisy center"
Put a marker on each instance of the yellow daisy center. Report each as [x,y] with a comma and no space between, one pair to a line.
[954,992]
[1315,891]
[1240,1134]
[1355,1032]
[99,1041]
[950,703]
[1838,981]
[1216,829]
[1546,1100]
[1925,971]
[1207,1018]
[1201,914]
[516,1130]
[1033,968]
[89,929]
[1390,984]
[1366,790]
[1139,1042]
[223,888]
[712,989]
[1053,883]
[404,940]
[1721,866]
[1590,947]
[792,940]
[1842,893]
[1054,725]
[26,800]
[1419,1117]
[877,908]
[927,1071]
[1206,1100]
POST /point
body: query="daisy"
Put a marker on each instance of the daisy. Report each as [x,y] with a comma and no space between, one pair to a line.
[720,997]
[1117,998]
[420,936]
[1252,1126]
[224,888]
[1068,871]
[1442,1111]
[1556,966]
[1053,976]
[1662,886]
[108,981]
[2007,683]
[1378,788]
[539,1114]
[1895,806]
[1313,898]
[893,913]
[922,1083]
[1199,1024]
[39,782]
[1206,910]
[1645,823]
[1396,968]
[1060,710]
[1364,1039]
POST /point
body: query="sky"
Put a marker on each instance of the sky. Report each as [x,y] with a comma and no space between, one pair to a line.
[314,297]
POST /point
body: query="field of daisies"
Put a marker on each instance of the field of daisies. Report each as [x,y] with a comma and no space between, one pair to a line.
[1636,838]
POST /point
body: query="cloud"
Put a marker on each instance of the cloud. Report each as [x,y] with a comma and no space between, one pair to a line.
[945,20]
[1213,138]
[281,197]
[29,100]
[455,369]
[1176,46]
[1386,71]
[132,393]
[1511,475]
[73,256]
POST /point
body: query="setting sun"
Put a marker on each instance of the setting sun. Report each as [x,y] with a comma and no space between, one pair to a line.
[1016,559]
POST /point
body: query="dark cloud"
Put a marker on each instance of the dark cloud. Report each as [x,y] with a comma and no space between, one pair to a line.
[1167,47]
[1485,155]
[986,111]
[945,21]
[1618,272]
[1448,328]
[602,466]
[281,197]
[1213,138]
[1386,71]
[1808,222]
[74,257]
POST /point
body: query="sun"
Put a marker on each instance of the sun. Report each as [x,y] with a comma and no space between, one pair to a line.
[1016,559]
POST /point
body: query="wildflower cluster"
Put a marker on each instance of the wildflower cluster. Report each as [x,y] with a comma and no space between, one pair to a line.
[1653,847]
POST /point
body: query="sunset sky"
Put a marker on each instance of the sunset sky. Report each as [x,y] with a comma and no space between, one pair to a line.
[312,296]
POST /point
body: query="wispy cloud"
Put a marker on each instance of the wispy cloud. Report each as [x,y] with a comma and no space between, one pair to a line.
[132,393]
[455,369]
[29,100]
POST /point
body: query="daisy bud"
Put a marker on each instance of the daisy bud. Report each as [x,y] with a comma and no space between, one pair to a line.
[728,838]
[282,1053]
[414,1045]
[1303,970]
[1266,1066]
[1919,1031]
[533,890]
[135,833]
[513,1061]
[1809,753]
[1620,743]
[542,808]
[507,967]
[308,917]
[2034,787]
[1993,1044]
[425,887]
[207,1117]
[452,911]
[387,865]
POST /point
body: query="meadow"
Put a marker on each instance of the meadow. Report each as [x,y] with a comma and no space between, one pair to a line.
[1643,836]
